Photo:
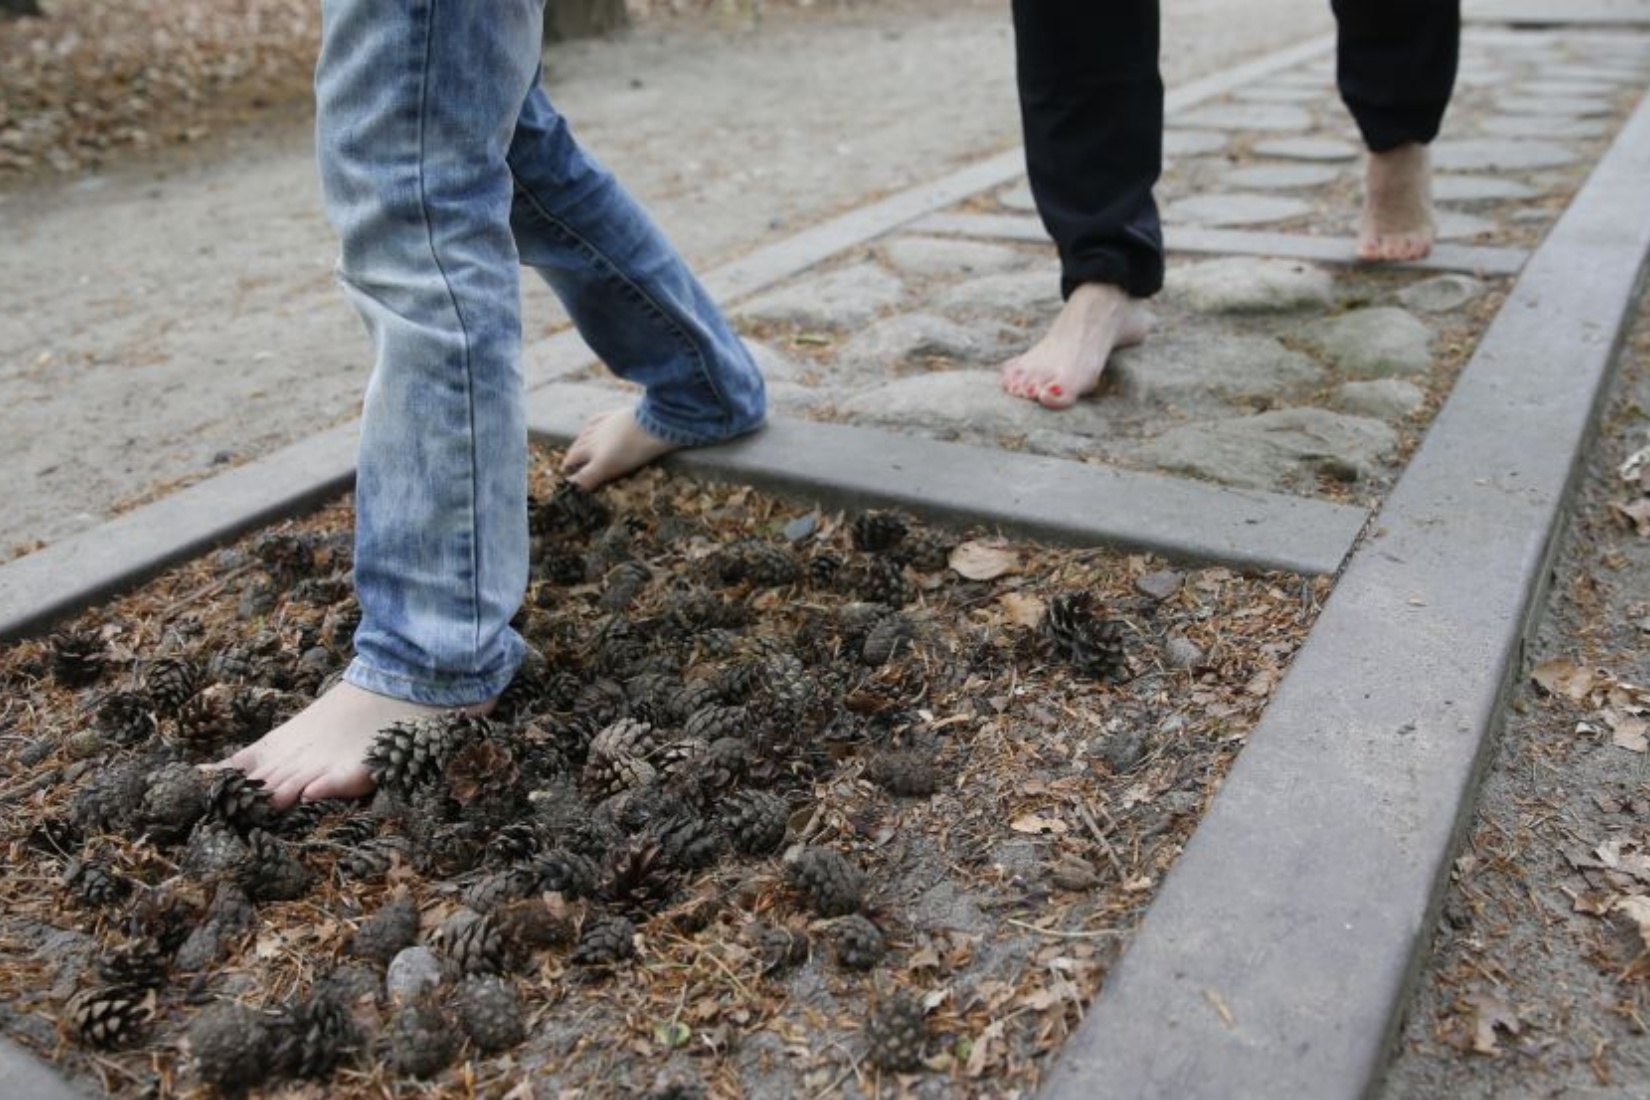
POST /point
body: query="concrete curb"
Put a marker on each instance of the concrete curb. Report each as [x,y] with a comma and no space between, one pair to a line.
[1277,957]
[81,570]
[1051,498]
[25,1077]
[1470,259]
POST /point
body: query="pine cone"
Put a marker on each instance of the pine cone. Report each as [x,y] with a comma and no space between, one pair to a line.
[174,798]
[109,1016]
[95,885]
[905,772]
[126,718]
[489,1009]
[638,879]
[388,931]
[138,962]
[208,716]
[859,943]
[755,821]
[925,550]
[714,722]
[831,885]
[623,583]
[560,566]
[111,801]
[878,532]
[231,1046]
[876,580]
[823,569]
[756,562]
[896,1034]
[170,682]
[78,657]
[422,1040]
[889,638]
[605,942]
[473,944]
[163,916]
[778,947]
[286,557]
[1079,632]
[697,609]
[689,843]
[413,754]
[238,802]
[531,924]
[571,512]
[271,872]
[515,842]
[317,1036]
[566,873]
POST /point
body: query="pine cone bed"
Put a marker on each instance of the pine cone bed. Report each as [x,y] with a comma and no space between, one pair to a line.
[699,700]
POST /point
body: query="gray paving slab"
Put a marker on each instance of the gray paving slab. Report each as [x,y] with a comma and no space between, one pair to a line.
[81,570]
[1277,956]
[25,1077]
[1470,259]
[1555,13]
[1051,498]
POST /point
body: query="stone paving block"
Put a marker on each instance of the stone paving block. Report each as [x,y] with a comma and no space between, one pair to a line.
[949,256]
[1250,116]
[846,298]
[1235,208]
[1376,342]
[1273,450]
[1499,155]
[1194,369]
[1268,177]
[884,346]
[1388,399]
[1563,127]
[1576,106]
[1308,149]
[1030,293]
[1448,188]
[1243,285]
[1178,142]
[1440,294]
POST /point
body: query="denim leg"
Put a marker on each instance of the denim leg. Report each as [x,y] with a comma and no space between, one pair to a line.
[631,296]
[416,104]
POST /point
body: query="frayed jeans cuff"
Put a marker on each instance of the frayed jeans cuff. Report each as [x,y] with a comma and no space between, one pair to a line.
[458,691]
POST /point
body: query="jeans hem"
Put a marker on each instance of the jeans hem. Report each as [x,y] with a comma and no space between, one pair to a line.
[461,691]
[680,437]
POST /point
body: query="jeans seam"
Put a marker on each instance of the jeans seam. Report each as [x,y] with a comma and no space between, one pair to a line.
[612,271]
[458,314]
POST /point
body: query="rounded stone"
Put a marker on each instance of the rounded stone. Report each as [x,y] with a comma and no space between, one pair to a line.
[1382,398]
[949,256]
[845,298]
[1244,285]
[1193,143]
[1017,198]
[1181,652]
[1499,155]
[1274,450]
[1236,208]
[1452,225]
[1267,177]
[412,973]
[1447,188]
[1585,107]
[1280,93]
[1377,342]
[1440,294]
[1250,116]
[1544,126]
[1307,148]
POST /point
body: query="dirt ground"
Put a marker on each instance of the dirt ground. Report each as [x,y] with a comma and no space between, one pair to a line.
[174,310]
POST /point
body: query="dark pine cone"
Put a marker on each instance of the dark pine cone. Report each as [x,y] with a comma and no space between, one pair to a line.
[714,722]
[755,562]
[623,583]
[515,842]
[905,772]
[126,718]
[890,637]
[876,580]
[896,1034]
[317,1036]
[570,512]
[271,872]
[170,682]
[755,821]
[94,884]
[560,566]
[924,550]
[878,532]
[174,798]
[473,944]
[605,942]
[386,932]
[415,753]
[138,962]
[566,873]
[422,1040]
[859,943]
[231,1047]
[108,1016]
[372,859]
[236,801]
[78,657]
[489,1009]
[823,568]
[1077,629]
[209,716]
[56,837]
[832,886]
[286,557]
[778,947]
[689,843]
[638,879]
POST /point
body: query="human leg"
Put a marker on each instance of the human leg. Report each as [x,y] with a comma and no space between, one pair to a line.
[1396,65]
[416,107]
[634,301]
[1091,106]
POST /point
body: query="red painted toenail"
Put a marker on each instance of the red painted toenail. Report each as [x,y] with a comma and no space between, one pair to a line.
[1055,390]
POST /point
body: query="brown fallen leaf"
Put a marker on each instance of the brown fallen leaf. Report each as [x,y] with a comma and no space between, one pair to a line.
[984,559]
[1023,610]
[1558,676]
[1636,908]
[1489,1013]
[1038,825]
[1636,515]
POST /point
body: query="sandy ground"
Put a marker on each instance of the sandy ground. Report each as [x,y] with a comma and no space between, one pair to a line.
[172,315]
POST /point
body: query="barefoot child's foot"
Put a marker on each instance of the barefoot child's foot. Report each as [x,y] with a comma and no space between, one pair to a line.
[1397,217]
[609,446]
[1097,319]
[321,752]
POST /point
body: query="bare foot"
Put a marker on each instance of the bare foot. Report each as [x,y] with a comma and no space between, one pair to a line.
[321,751]
[1397,218]
[609,446]
[1065,364]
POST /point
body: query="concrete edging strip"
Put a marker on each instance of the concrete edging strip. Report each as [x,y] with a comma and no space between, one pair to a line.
[1051,498]
[1277,957]
[25,1077]
[1471,259]
[79,571]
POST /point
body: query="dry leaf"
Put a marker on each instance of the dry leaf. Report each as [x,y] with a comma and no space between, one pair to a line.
[1636,907]
[984,559]
[1628,732]
[1038,825]
[1023,610]
[1636,515]
[1491,1012]
[1561,677]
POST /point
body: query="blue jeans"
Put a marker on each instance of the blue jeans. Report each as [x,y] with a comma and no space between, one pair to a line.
[444,168]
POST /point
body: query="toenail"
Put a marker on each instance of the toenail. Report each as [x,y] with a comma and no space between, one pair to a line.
[1055,390]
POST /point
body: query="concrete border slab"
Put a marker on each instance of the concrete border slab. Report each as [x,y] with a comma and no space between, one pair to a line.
[25,1077]
[1559,13]
[1469,259]
[1051,498]
[1277,957]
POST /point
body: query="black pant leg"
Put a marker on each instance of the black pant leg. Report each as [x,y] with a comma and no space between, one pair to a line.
[1396,66]
[1091,104]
